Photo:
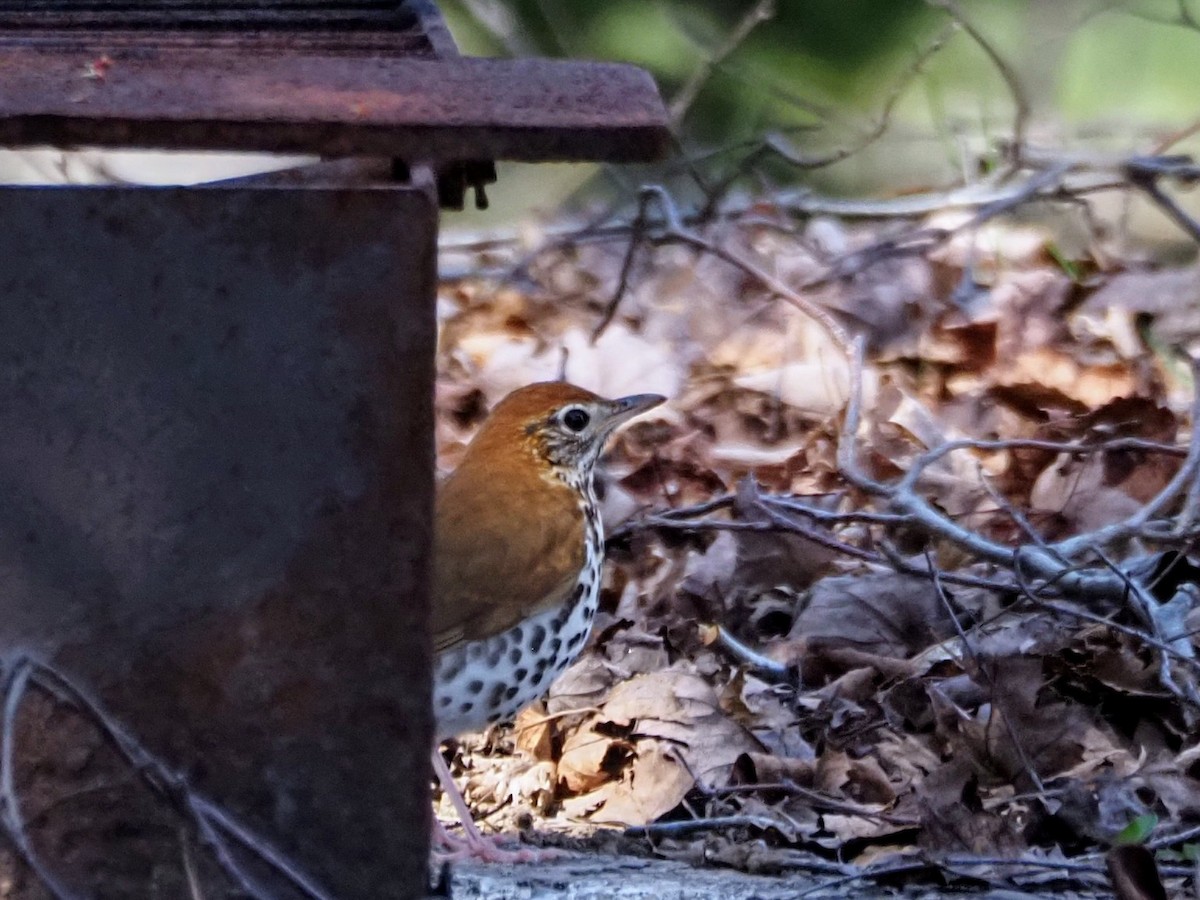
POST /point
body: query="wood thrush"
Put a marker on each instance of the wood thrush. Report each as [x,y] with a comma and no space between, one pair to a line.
[518,547]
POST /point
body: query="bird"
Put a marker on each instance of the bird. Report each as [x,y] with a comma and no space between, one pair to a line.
[518,551]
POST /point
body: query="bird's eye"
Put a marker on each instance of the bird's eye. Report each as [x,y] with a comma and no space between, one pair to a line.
[576,419]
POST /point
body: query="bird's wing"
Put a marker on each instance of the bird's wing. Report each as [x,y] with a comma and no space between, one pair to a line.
[501,555]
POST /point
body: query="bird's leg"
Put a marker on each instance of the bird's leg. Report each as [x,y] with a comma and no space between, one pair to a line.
[474,845]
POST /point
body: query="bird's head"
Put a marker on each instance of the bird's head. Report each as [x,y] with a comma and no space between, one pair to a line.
[560,424]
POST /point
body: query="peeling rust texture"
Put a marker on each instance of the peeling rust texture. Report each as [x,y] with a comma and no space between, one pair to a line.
[432,111]
[227,15]
[216,471]
[411,28]
[329,77]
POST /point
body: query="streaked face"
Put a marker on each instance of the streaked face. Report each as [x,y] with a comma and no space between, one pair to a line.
[574,433]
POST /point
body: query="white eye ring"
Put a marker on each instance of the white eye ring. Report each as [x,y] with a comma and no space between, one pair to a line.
[576,418]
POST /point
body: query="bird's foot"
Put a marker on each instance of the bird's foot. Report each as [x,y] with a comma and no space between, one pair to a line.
[473,846]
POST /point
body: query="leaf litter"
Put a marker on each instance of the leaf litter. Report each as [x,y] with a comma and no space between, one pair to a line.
[875,719]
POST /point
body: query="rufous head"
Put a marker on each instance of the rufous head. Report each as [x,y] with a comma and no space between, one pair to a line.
[562,425]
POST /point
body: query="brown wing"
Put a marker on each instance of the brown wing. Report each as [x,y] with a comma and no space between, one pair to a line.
[505,548]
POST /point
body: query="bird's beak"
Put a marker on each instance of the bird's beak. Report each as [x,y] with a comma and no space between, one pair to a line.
[625,408]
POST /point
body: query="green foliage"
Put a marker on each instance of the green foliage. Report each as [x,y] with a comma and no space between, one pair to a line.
[1070,267]
[1111,75]
[1188,853]
[1137,831]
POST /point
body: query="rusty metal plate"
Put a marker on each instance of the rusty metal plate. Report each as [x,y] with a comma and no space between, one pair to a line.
[216,482]
[172,15]
[421,111]
[395,27]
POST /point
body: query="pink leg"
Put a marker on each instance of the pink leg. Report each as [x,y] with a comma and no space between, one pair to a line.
[474,845]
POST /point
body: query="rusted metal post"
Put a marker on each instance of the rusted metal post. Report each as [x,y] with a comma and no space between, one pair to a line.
[216,464]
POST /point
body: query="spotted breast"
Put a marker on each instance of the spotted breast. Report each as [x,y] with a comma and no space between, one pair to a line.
[518,550]
[486,681]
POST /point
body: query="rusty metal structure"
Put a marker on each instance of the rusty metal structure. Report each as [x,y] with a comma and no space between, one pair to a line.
[216,433]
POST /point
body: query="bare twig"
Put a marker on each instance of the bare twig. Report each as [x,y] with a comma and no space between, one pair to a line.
[762,11]
[1045,564]
[818,799]
[1075,612]
[16,683]
[636,236]
[991,199]
[195,890]
[1062,565]
[1184,480]
[688,826]
[216,826]
[1144,174]
[777,144]
[985,673]
[1021,106]
[1171,840]
[847,456]
[747,655]
[672,230]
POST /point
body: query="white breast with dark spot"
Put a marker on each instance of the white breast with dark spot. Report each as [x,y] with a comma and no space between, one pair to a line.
[487,681]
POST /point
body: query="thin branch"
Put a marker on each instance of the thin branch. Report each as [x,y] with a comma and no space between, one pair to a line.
[748,656]
[1021,108]
[1145,174]
[1113,445]
[847,456]
[216,822]
[1183,481]
[1042,563]
[762,11]
[986,675]
[1050,564]
[817,799]
[16,684]
[1074,612]
[635,243]
[215,825]
[195,890]
[993,197]
[689,826]
[671,230]
[778,145]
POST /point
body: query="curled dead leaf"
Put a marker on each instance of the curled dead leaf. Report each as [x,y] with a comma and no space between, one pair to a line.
[882,613]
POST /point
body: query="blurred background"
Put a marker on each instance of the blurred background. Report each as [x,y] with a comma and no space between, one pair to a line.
[870,97]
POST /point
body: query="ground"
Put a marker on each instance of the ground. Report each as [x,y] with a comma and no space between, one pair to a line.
[900,578]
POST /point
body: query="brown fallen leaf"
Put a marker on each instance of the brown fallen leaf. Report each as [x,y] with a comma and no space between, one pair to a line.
[767,768]
[651,786]
[1076,491]
[581,687]
[590,759]
[534,732]
[953,814]
[1089,385]
[655,736]
[681,707]
[1168,295]
[859,780]
[882,613]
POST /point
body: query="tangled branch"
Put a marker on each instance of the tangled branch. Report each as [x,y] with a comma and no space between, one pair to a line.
[225,836]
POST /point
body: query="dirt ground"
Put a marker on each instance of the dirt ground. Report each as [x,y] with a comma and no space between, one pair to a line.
[599,877]
[596,877]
